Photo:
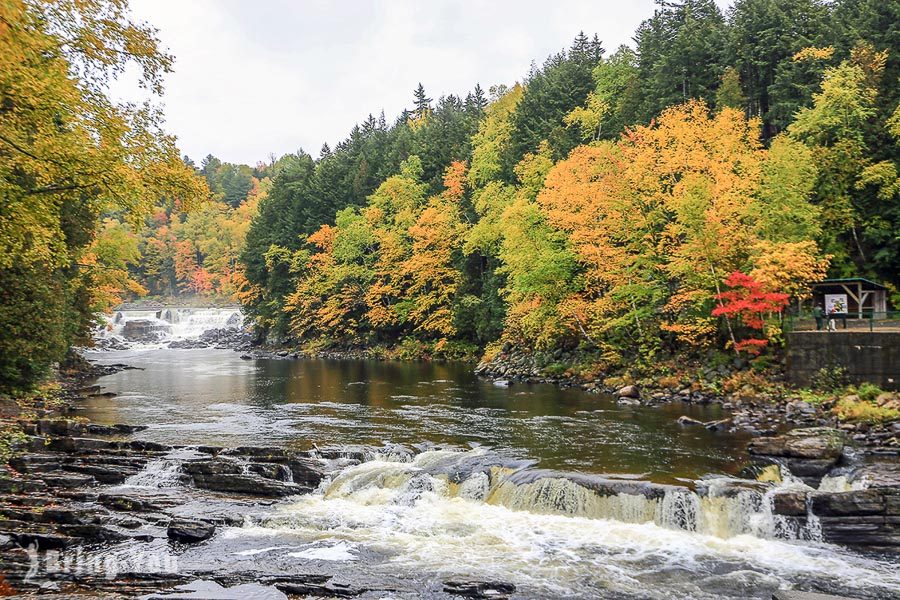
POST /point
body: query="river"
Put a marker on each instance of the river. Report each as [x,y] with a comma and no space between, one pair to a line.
[392,526]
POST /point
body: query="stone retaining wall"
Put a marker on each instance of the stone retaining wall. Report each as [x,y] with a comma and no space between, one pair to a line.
[867,356]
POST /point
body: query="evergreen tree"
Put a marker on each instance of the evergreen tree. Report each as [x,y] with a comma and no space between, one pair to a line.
[681,52]
[764,36]
[551,92]
[422,102]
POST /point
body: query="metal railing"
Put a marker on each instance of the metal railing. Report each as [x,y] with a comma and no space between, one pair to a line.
[867,320]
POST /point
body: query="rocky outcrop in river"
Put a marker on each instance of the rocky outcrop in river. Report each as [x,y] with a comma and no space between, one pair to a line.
[867,516]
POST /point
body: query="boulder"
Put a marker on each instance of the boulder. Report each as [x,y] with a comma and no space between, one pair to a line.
[189,531]
[629,391]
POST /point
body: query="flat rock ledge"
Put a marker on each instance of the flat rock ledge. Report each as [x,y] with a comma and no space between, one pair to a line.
[53,495]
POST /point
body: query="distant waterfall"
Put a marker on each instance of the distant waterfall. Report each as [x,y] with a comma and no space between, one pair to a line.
[153,327]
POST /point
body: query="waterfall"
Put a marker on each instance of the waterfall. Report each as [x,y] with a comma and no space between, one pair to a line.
[189,323]
[721,507]
[153,327]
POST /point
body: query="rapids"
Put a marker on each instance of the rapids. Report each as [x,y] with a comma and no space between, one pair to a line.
[561,493]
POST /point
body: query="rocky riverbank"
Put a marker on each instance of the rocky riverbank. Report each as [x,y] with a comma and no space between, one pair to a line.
[759,404]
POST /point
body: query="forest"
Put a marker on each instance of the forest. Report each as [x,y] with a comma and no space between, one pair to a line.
[637,202]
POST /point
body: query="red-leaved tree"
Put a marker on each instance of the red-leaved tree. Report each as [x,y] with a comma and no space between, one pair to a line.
[747,301]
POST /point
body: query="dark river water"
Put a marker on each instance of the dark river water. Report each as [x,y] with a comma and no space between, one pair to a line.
[214,397]
[398,528]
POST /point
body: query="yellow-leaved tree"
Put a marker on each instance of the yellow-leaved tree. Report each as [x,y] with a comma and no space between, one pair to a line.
[68,152]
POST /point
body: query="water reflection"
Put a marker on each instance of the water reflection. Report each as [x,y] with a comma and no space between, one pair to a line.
[214,397]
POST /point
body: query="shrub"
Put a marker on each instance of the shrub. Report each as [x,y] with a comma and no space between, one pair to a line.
[491,351]
[411,349]
[455,350]
[853,408]
[745,379]
[555,370]
[868,391]
[11,436]
[830,379]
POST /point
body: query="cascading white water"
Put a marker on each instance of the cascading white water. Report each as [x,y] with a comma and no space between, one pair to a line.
[456,514]
[159,473]
[721,511]
[189,323]
[169,324]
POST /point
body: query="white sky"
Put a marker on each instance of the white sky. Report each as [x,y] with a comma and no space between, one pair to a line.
[261,77]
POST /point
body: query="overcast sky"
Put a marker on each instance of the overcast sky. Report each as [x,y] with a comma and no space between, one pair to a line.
[260,77]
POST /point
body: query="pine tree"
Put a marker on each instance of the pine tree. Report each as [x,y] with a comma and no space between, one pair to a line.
[422,102]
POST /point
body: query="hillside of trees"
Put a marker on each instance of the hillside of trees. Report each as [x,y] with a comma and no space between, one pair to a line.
[606,201]
[635,202]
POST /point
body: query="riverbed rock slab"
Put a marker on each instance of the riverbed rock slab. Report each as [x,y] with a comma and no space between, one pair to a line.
[480,589]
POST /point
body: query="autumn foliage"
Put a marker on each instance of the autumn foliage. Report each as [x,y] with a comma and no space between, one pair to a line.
[749,303]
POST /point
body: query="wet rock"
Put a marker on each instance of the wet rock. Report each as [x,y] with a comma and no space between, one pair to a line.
[790,504]
[190,344]
[822,443]
[318,586]
[72,445]
[68,480]
[66,427]
[502,383]
[852,503]
[189,531]
[729,487]
[793,595]
[41,541]
[686,420]
[248,484]
[224,475]
[719,425]
[144,330]
[104,473]
[118,429]
[216,466]
[274,471]
[629,391]
[479,589]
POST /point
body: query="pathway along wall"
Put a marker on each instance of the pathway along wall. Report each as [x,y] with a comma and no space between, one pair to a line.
[867,356]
